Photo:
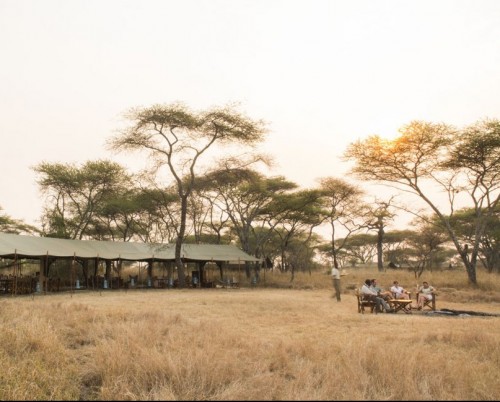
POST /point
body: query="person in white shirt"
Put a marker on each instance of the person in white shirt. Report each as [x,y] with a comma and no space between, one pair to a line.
[370,294]
[399,291]
[336,282]
[425,292]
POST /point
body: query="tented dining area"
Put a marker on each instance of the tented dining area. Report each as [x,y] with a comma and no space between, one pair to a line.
[32,264]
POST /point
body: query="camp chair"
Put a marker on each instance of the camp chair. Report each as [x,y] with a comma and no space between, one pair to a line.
[429,303]
[363,303]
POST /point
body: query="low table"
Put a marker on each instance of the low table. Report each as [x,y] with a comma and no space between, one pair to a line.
[401,305]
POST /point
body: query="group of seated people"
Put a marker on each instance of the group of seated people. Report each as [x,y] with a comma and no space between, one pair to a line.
[371,291]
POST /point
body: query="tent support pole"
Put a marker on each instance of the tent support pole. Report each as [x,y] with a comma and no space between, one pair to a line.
[72,278]
[43,264]
[14,289]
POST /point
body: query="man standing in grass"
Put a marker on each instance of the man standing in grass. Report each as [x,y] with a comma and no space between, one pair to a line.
[336,282]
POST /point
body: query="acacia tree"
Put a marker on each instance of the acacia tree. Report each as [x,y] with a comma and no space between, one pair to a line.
[425,246]
[76,193]
[135,213]
[362,247]
[395,244]
[464,162]
[342,206]
[489,249]
[293,216]
[11,225]
[245,195]
[378,217]
[176,137]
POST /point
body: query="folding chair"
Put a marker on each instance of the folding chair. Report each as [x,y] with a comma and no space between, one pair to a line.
[362,303]
[429,303]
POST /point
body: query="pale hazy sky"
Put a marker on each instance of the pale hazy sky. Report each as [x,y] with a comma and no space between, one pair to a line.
[323,73]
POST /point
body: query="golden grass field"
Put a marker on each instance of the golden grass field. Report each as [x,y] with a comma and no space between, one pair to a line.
[276,341]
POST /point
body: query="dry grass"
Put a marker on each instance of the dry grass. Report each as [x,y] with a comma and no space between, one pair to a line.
[248,344]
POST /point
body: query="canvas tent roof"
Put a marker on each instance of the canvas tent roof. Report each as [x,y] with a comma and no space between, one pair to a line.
[21,246]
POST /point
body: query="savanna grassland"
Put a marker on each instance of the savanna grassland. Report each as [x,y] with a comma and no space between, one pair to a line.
[276,341]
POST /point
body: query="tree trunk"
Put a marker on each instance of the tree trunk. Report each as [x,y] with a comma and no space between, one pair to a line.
[178,243]
[335,262]
[380,241]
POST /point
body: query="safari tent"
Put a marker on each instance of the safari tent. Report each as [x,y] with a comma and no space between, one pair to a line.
[91,252]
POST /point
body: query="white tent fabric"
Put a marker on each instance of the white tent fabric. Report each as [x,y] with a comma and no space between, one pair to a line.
[20,246]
